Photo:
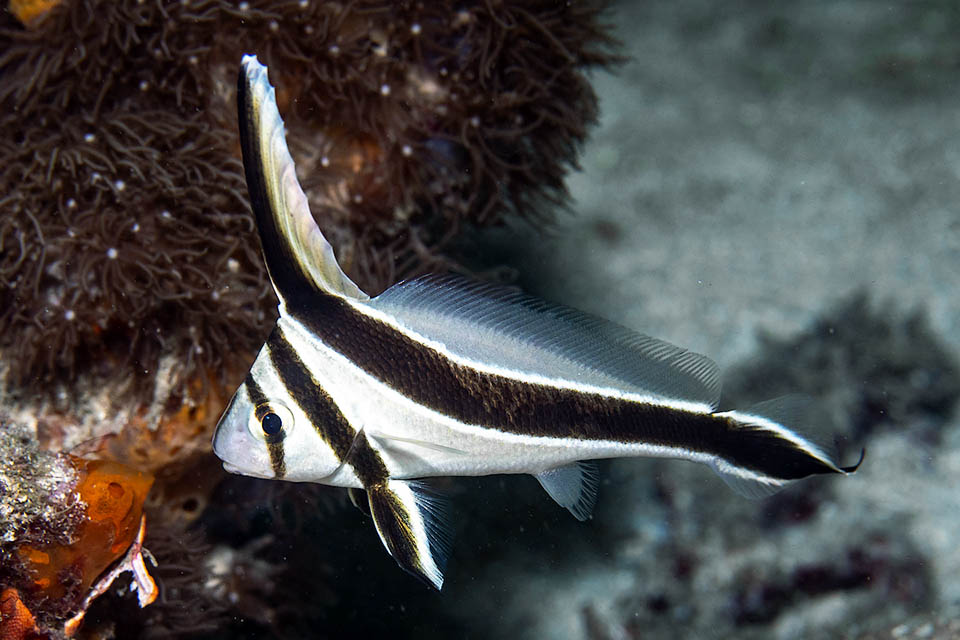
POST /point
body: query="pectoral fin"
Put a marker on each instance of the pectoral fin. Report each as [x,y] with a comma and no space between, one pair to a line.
[411,521]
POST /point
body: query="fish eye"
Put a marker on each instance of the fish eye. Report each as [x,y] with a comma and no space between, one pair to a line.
[271,421]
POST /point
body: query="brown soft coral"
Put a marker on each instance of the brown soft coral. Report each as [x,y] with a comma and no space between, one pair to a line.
[126,233]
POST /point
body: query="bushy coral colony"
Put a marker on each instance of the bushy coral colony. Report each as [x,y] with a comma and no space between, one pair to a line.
[127,224]
[132,291]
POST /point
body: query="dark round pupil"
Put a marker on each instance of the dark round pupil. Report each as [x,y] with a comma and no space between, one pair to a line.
[272,424]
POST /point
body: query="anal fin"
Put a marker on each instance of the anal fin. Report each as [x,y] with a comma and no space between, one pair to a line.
[573,487]
[412,523]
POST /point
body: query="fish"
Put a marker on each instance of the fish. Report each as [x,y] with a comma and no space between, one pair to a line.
[443,375]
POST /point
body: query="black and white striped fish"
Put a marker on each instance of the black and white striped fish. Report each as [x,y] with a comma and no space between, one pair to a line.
[443,376]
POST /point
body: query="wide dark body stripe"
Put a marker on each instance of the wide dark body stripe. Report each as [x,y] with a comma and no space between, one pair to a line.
[348,445]
[274,445]
[282,264]
[512,406]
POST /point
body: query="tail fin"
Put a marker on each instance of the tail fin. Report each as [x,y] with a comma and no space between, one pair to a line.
[783,442]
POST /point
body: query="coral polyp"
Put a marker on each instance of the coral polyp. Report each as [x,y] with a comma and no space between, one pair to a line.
[125,230]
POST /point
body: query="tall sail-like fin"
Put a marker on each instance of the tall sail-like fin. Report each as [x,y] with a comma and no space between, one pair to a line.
[298,257]
[573,487]
[413,526]
[497,325]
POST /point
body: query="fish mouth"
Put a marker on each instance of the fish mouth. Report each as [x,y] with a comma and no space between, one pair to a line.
[232,468]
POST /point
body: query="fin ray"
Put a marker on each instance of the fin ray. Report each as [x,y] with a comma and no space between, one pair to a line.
[358,498]
[496,324]
[573,487]
[294,248]
[790,422]
[414,527]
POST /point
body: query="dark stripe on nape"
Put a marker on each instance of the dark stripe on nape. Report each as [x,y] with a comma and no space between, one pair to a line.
[320,408]
[512,406]
[257,397]
[261,405]
[349,446]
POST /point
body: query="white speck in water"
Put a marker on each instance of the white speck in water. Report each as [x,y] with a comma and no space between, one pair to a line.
[415,28]
[244,6]
[71,233]
[474,121]
[308,29]
[406,150]
[274,25]
[334,50]
[119,185]
[136,227]
[357,198]
[324,161]
[385,89]
[304,4]
[112,253]
[71,203]
[89,137]
[69,315]
[193,59]
[215,295]
[94,176]
[144,85]
[232,265]
[165,214]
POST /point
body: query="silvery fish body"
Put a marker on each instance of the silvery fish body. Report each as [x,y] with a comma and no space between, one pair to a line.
[443,376]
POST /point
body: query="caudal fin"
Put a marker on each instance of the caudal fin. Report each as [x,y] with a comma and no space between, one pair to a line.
[781,441]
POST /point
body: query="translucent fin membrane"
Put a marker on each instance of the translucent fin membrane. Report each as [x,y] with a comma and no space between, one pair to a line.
[499,326]
[573,487]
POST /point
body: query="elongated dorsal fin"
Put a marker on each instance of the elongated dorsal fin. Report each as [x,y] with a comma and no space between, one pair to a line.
[298,257]
[413,526]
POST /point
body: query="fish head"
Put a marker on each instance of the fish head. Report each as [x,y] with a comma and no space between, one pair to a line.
[264,433]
